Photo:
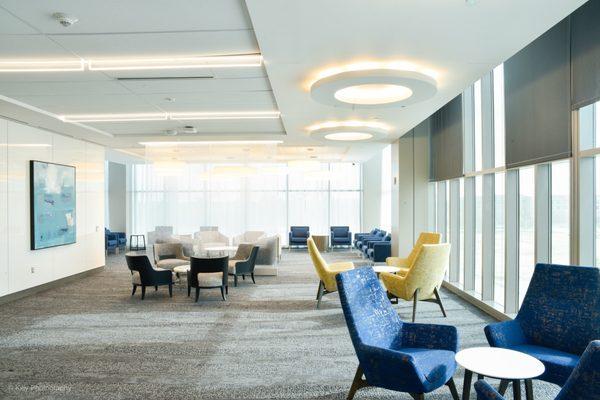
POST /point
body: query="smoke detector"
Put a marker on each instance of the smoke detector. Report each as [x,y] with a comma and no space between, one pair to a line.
[64,19]
[171,132]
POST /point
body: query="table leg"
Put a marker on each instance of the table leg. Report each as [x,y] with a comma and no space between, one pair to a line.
[503,386]
[517,389]
[467,384]
[528,389]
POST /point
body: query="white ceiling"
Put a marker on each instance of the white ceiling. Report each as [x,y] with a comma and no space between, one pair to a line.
[297,40]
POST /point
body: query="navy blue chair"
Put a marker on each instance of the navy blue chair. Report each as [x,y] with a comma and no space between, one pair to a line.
[119,236]
[340,236]
[582,384]
[392,354]
[559,316]
[298,236]
[359,236]
[111,241]
[362,244]
[379,251]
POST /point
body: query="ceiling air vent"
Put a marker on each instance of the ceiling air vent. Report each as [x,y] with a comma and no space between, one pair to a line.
[158,78]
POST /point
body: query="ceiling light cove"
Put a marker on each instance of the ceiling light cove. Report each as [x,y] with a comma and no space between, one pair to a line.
[385,85]
[349,131]
[136,64]
[111,117]
[216,115]
[42,66]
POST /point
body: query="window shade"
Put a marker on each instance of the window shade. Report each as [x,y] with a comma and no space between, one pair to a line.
[447,141]
[537,96]
[585,54]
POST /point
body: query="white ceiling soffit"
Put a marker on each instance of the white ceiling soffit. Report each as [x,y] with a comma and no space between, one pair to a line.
[297,39]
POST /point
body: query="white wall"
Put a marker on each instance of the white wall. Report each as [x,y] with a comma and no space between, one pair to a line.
[20,267]
[410,175]
[371,203]
[117,197]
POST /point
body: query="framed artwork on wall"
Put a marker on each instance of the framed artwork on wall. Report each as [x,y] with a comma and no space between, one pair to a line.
[53,204]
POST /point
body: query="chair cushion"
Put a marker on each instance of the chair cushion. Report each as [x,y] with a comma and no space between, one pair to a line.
[210,279]
[171,263]
[559,364]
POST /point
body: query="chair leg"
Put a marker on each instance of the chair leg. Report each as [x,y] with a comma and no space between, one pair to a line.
[143,292]
[197,294]
[170,290]
[235,280]
[156,288]
[189,290]
[243,277]
[439,301]
[357,383]
[226,289]
[252,276]
[415,297]
[223,293]
[452,388]
[133,290]
[320,293]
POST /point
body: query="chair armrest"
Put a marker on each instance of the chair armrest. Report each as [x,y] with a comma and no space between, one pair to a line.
[430,336]
[505,334]
[184,257]
[243,267]
[397,262]
[486,392]
[120,234]
[112,236]
[381,250]
[383,361]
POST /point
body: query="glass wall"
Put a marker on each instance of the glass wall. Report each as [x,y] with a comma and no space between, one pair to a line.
[271,198]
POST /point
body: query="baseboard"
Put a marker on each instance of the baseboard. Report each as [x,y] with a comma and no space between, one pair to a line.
[49,285]
[482,305]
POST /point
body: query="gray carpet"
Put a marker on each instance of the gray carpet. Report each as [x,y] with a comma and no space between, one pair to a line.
[91,339]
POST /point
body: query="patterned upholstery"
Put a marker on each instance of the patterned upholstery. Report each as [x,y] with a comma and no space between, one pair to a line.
[583,384]
[426,273]
[560,315]
[326,272]
[406,357]
[424,238]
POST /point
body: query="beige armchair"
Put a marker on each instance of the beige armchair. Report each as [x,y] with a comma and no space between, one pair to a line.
[248,237]
[169,255]
[210,239]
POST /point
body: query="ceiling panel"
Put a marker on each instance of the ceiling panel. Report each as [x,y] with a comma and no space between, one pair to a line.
[132,15]
[11,24]
[77,104]
[160,44]
[171,86]
[83,88]
[32,47]
[225,101]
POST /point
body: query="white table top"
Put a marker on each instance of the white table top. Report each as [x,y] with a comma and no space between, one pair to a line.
[500,363]
[182,269]
[385,268]
[221,248]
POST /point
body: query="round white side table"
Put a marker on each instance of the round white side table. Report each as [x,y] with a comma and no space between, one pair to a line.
[385,268]
[504,364]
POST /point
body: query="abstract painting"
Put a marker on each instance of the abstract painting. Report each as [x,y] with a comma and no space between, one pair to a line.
[52,204]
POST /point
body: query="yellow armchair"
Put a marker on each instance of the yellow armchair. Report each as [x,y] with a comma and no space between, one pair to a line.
[325,271]
[422,281]
[405,263]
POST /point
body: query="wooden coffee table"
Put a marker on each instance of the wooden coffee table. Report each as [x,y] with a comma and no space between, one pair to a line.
[321,241]
[504,364]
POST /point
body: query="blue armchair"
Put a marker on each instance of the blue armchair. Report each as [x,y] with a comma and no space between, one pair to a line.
[379,251]
[120,237]
[559,316]
[361,244]
[298,235]
[583,383]
[392,354]
[359,236]
[341,236]
[111,241]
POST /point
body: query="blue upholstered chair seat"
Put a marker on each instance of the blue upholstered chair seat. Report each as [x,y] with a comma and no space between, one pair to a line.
[559,364]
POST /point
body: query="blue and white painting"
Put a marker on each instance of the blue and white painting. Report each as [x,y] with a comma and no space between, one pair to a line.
[52,205]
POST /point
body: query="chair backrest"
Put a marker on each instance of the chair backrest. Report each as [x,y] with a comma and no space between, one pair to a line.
[164,230]
[340,231]
[243,251]
[428,270]
[208,228]
[561,308]
[387,238]
[164,251]
[317,259]
[267,252]
[584,382]
[424,238]
[300,231]
[141,264]
[370,317]
[203,265]
[252,258]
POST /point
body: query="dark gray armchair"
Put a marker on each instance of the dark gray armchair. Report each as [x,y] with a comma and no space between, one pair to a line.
[244,267]
[144,274]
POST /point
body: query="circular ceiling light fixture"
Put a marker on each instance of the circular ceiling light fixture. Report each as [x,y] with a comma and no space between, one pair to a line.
[349,131]
[373,88]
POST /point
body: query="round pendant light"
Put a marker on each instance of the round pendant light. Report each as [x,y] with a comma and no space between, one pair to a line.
[373,88]
[349,131]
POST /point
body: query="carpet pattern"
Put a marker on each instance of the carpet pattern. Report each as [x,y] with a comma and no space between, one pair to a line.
[91,340]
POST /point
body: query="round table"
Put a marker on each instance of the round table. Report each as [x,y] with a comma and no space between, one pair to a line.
[504,364]
[181,269]
[385,268]
[321,241]
[221,250]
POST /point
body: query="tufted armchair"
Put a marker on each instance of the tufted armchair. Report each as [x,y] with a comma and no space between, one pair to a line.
[422,281]
[583,383]
[392,354]
[559,316]
[325,271]
[340,236]
[405,263]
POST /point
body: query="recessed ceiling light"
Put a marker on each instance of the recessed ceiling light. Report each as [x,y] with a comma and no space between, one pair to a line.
[42,66]
[373,88]
[349,131]
[128,64]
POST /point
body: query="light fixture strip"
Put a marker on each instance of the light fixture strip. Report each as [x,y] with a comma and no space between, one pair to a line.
[250,60]
[171,116]
[209,142]
[114,117]
[42,66]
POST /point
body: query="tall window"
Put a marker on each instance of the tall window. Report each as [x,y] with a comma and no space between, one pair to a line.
[560,203]
[499,265]
[386,189]
[499,132]
[478,233]
[526,228]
